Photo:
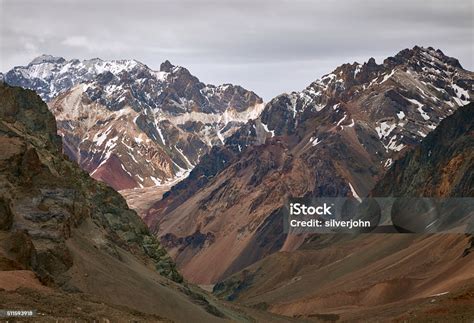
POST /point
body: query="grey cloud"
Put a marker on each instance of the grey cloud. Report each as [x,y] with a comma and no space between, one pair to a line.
[268,46]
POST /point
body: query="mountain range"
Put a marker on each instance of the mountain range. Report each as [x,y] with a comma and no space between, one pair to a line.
[70,248]
[380,277]
[337,137]
[131,126]
[210,170]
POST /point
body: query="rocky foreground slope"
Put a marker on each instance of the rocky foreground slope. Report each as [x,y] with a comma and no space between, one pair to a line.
[131,126]
[334,138]
[381,277]
[69,245]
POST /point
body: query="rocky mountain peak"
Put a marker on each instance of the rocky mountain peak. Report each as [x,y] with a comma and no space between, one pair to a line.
[410,92]
[45,58]
[423,56]
[166,66]
[425,60]
[371,62]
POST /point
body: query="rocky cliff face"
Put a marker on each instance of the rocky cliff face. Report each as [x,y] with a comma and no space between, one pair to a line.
[131,126]
[45,197]
[335,138]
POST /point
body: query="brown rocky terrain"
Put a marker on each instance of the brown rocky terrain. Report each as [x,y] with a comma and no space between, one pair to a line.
[377,277]
[337,137]
[380,277]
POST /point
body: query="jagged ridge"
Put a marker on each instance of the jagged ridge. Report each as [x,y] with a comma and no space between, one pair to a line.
[131,126]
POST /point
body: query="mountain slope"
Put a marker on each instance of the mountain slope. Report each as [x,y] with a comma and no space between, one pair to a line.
[381,277]
[69,245]
[442,165]
[335,138]
[131,126]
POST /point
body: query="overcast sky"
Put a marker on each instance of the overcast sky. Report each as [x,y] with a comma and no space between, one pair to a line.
[269,46]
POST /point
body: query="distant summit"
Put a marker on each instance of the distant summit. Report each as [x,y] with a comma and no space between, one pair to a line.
[166,66]
[47,59]
[131,126]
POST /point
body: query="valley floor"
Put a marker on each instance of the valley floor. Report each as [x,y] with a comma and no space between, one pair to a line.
[141,199]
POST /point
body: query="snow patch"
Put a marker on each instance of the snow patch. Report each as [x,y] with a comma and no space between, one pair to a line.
[155,180]
[340,121]
[125,170]
[268,131]
[460,92]
[220,136]
[420,108]
[384,129]
[157,126]
[386,77]
[392,144]
[388,163]
[357,70]
[133,157]
[354,193]
[184,157]
[401,115]
[422,134]
[314,141]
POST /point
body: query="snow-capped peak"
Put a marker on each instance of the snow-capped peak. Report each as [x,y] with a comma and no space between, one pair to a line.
[49,75]
[47,59]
